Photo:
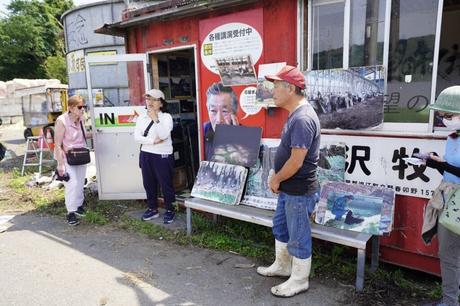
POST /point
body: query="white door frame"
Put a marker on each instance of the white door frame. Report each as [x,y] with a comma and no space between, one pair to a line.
[197,87]
[111,59]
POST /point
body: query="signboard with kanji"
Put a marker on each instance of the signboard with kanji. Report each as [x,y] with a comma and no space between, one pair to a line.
[379,161]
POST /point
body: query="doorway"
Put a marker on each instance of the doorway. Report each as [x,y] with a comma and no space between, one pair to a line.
[174,73]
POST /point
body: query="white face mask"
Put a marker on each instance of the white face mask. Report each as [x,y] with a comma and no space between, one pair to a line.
[453,124]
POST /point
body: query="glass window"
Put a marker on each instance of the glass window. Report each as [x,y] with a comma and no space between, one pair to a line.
[327,38]
[367,26]
[410,45]
[410,62]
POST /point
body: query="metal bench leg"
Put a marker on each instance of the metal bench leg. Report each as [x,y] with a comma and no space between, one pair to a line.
[361,260]
[375,253]
[189,221]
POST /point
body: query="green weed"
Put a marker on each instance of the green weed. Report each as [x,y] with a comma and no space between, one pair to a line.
[435,293]
[337,251]
[210,235]
[18,183]
[94,217]
[52,204]
[40,200]
[149,229]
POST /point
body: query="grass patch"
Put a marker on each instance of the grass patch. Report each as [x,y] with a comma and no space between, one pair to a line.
[97,218]
[435,293]
[389,285]
[19,197]
[397,284]
[151,230]
[18,182]
[224,236]
[232,235]
[51,206]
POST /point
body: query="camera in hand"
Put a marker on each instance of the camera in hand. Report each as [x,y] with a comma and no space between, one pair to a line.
[64,178]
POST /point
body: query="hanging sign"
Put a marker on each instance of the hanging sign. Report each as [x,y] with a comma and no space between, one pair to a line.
[230,42]
[248,102]
[117,118]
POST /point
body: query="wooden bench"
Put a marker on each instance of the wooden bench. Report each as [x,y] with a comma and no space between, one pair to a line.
[264,217]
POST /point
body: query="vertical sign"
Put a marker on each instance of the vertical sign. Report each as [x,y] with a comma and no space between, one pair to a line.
[231,48]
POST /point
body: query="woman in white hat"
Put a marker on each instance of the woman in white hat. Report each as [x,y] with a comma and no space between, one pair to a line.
[153,133]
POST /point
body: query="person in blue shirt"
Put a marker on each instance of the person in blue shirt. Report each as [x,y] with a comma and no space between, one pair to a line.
[295,181]
[339,208]
[448,106]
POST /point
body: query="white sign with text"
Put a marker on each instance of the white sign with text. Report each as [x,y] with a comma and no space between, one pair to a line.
[380,161]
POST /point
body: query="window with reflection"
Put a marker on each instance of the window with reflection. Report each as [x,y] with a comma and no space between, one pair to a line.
[367,27]
[411,47]
[327,34]
[410,62]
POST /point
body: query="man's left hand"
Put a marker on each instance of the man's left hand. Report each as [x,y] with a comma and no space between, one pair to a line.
[274,184]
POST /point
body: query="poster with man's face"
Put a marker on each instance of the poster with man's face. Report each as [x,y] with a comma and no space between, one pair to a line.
[221,109]
[231,47]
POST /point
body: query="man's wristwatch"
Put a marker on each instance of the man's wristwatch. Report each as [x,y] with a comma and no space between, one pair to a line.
[157,121]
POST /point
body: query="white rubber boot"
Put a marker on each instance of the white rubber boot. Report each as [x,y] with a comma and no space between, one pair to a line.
[298,282]
[282,264]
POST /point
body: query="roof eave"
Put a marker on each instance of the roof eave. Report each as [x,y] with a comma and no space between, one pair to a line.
[120,28]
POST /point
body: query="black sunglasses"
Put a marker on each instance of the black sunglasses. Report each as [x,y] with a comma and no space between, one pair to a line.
[81,106]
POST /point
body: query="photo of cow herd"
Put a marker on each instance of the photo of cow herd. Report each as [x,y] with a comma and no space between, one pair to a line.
[347,98]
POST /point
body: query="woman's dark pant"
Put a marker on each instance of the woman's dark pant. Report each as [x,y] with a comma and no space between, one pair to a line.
[158,169]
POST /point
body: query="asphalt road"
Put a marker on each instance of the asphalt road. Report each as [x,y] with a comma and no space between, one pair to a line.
[46,262]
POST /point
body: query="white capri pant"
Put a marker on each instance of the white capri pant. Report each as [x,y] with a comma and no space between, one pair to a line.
[74,195]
